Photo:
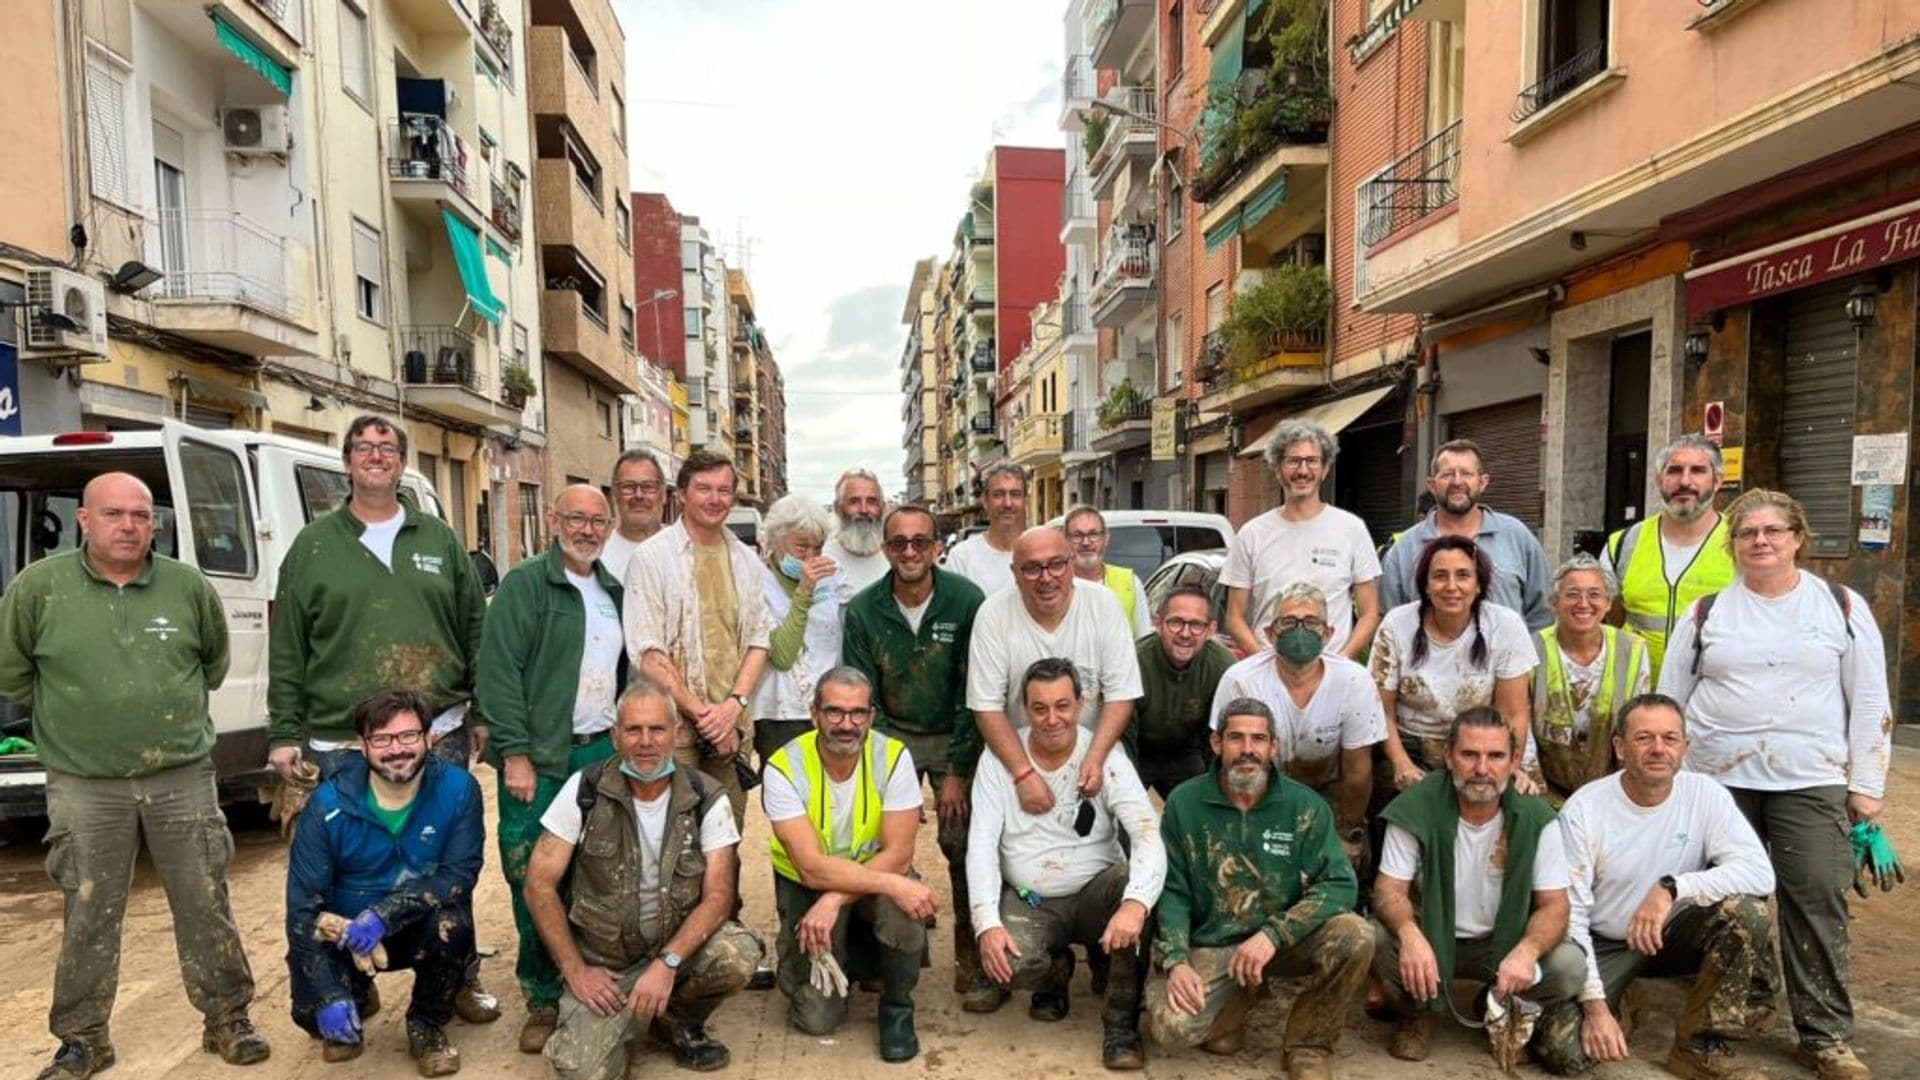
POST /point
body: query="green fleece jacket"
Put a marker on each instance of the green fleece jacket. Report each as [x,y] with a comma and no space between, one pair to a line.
[530,662]
[1276,869]
[117,676]
[1171,719]
[919,679]
[345,626]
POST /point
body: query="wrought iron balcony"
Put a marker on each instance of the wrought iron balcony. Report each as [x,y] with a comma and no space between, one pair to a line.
[982,361]
[1556,83]
[1414,186]
[504,208]
[439,356]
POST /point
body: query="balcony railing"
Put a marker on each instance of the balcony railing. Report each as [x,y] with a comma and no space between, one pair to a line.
[505,208]
[1129,260]
[216,255]
[439,356]
[1141,107]
[1414,186]
[1555,84]
[982,361]
[1076,82]
[981,423]
[1073,318]
[1037,433]
[496,30]
[1074,427]
[1076,202]
[424,147]
[1283,350]
[274,9]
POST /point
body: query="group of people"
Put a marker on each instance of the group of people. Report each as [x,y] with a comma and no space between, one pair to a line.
[1447,763]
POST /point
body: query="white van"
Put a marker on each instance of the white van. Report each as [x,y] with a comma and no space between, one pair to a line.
[1141,540]
[228,502]
[744,522]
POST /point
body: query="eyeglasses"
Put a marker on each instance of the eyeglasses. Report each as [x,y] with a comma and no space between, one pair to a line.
[1034,571]
[1300,462]
[1591,596]
[577,520]
[1184,626]
[1292,622]
[837,715]
[401,738]
[1086,536]
[900,544]
[1773,533]
[1451,475]
[641,487]
[376,449]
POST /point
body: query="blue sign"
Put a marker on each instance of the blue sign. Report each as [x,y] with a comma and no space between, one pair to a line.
[9,390]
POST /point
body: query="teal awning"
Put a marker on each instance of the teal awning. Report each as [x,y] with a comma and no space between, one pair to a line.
[1225,231]
[250,54]
[1222,74]
[494,249]
[1263,202]
[473,267]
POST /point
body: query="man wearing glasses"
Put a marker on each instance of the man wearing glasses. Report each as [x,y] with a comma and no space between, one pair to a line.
[1087,537]
[1457,477]
[1180,665]
[640,495]
[908,634]
[552,663]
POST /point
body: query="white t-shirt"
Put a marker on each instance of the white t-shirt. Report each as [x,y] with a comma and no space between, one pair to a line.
[717,830]
[1478,876]
[1093,634]
[782,802]
[379,536]
[1677,558]
[983,564]
[599,657]
[1332,550]
[914,614]
[1617,850]
[617,553]
[856,571]
[1447,682]
[1785,699]
[1343,714]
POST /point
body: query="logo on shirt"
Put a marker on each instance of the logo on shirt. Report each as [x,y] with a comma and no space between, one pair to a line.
[1277,842]
[943,633]
[428,833]
[427,564]
[163,628]
[1325,556]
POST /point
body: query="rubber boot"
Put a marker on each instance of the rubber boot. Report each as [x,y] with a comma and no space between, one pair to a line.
[899,972]
[1120,1043]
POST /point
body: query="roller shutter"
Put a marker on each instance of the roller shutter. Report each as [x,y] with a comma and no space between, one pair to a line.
[1509,438]
[1367,478]
[1817,412]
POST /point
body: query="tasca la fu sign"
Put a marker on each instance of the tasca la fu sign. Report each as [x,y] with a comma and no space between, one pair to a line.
[1890,236]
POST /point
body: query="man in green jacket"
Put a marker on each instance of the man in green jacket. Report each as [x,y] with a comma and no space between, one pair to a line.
[1180,668]
[1493,877]
[908,634]
[116,649]
[552,664]
[1257,886]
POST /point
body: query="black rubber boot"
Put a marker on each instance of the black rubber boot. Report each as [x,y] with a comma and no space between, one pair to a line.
[1120,1043]
[899,973]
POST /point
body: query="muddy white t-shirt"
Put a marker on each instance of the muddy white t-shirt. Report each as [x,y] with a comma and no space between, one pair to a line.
[1478,869]
[1343,714]
[1093,634]
[1447,682]
[1332,550]
[599,657]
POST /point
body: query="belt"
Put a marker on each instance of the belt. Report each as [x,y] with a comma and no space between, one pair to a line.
[591,736]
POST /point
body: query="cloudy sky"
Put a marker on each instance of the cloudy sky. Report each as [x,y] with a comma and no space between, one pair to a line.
[837,139]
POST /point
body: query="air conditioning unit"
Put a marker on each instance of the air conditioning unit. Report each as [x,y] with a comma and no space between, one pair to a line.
[256,129]
[59,300]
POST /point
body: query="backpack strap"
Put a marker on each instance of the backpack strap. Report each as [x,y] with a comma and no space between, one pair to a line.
[589,791]
[1845,599]
[1841,597]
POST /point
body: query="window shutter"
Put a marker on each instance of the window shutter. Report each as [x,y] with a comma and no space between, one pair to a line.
[1817,413]
[366,252]
[107,129]
[1509,438]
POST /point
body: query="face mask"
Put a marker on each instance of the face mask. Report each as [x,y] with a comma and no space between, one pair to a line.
[666,769]
[790,566]
[1298,645]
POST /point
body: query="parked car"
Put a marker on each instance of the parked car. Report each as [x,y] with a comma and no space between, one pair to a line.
[1200,568]
[227,502]
[744,522]
[1142,540]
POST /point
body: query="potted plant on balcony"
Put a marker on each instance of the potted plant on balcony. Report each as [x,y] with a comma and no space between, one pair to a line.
[1095,135]
[516,384]
[1291,302]
[1124,399]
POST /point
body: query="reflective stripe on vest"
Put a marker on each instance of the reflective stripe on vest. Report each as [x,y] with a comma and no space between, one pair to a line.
[1120,580]
[1617,679]
[1653,604]
[799,761]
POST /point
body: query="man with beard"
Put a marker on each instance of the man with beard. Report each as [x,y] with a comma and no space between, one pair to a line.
[639,497]
[1180,668]
[908,634]
[855,546]
[551,665]
[1087,538]
[1257,887]
[391,842]
[1492,874]
[986,559]
[1456,479]
[1660,581]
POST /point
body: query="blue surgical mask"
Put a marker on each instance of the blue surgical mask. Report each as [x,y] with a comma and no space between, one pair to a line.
[790,566]
[665,770]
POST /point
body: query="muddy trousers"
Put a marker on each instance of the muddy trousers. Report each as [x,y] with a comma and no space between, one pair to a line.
[95,830]
[1806,836]
[435,947]
[1043,931]
[1334,959]
[930,756]
[588,1046]
[1726,947]
[519,828]
[1563,971]
[873,938]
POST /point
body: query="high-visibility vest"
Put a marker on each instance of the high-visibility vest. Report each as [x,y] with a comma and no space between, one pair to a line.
[1121,581]
[799,761]
[1568,756]
[1653,605]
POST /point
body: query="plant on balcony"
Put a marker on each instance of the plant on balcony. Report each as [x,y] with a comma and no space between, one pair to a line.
[1095,134]
[516,384]
[1291,300]
[1291,102]
[1122,401]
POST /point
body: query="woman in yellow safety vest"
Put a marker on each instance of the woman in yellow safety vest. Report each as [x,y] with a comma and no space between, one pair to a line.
[1587,671]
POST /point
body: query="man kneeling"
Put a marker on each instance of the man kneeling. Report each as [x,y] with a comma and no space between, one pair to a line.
[1257,886]
[1042,883]
[643,942]
[393,842]
[1668,879]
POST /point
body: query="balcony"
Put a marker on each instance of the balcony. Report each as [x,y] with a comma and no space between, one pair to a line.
[1076,91]
[557,82]
[1560,81]
[1124,288]
[442,369]
[982,361]
[504,208]
[273,27]
[1119,28]
[1037,439]
[980,294]
[571,329]
[1412,188]
[566,214]
[1297,364]
[494,29]
[1076,437]
[1079,220]
[1129,141]
[430,165]
[231,283]
[1282,126]
[1123,419]
[980,424]
[1076,325]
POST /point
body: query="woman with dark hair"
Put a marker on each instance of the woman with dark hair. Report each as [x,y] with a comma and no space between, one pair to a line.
[1446,653]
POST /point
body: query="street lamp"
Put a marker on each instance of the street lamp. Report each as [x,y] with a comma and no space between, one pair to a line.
[658,296]
[1100,105]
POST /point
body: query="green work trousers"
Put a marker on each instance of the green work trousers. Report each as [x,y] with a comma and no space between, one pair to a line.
[519,828]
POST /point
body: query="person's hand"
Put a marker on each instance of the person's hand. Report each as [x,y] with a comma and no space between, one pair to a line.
[595,987]
[1092,772]
[338,1021]
[816,570]
[1419,971]
[1123,930]
[1035,797]
[728,744]
[283,759]
[1515,974]
[1601,1037]
[1250,960]
[651,992]
[954,803]
[1646,929]
[477,741]
[1874,859]
[1406,774]
[1863,807]
[519,777]
[1186,991]
[914,898]
[997,954]
[363,933]
[815,932]
[1524,783]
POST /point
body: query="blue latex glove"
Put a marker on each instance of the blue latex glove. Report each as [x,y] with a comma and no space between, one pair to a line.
[363,933]
[338,1021]
[1874,854]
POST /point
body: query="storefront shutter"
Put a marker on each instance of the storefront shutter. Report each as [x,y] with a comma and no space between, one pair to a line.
[1509,438]
[1367,478]
[1817,412]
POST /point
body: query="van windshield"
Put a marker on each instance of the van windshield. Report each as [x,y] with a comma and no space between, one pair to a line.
[40,492]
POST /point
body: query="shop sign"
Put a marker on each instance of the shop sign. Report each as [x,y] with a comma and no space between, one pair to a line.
[1888,237]
[9,390]
[1166,429]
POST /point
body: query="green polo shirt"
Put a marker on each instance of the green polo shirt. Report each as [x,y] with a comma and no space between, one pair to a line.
[919,678]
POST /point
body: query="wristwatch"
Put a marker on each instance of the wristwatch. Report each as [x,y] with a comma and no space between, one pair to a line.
[671,959]
[741,698]
[1672,887]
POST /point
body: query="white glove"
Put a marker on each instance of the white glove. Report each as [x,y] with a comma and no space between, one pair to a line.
[826,976]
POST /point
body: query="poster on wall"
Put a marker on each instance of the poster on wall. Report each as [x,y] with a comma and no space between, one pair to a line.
[1880,459]
[1876,516]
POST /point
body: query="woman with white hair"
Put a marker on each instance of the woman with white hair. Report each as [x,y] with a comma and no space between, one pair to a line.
[1587,671]
[805,608]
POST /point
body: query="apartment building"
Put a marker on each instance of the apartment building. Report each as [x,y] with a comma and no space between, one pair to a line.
[758,413]
[660,310]
[922,389]
[1033,400]
[703,305]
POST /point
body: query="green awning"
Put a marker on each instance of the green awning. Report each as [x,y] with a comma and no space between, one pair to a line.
[494,249]
[473,267]
[250,54]
[1222,75]
[1225,231]
[1263,202]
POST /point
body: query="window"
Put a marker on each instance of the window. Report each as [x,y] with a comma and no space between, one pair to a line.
[1377,8]
[356,54]
[520,344]
[1176,351]
[1216,305]
[605,409]
[619,119]
[321,490]
[1568,48]
[690,256]
[622,223]
[1446,74]
[1176,41]
[1176,207]
[626,324]
[693,322]
[369,272]
[218,508]
[107,129]
[529,520]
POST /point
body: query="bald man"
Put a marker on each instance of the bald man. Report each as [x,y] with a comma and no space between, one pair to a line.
[552,664]
[116,649]
[1050,613]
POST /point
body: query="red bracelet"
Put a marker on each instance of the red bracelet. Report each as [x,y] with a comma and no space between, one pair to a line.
[1028,771]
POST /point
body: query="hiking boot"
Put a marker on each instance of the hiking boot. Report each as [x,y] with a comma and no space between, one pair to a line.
[1049,1003]
[538,1028]
[474,1005]
[897,1039]
[1832,1061]
[1227,1042]
[1708,1057]
[433,1054]
[236,1042]
[692,1047]
[334,1053]
[1122,1048]
[1412,1038]
[984,996]
[76,1060]
[1308,1063]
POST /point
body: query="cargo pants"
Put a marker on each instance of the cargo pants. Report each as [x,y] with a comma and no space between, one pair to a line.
[1334,959]
[519,830]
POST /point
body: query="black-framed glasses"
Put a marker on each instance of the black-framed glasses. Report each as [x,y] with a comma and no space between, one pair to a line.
[837,715]
[920,545]
[1294,622]
[1034,571]
[398,738]
[376,449]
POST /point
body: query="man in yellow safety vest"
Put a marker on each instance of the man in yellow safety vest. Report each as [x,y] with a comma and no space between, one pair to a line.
[1087,538]
[1659,581]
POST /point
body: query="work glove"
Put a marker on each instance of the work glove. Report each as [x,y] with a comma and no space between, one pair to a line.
[826,976]
[291,794]
[338,1021]
[1874,857]
[363,934]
